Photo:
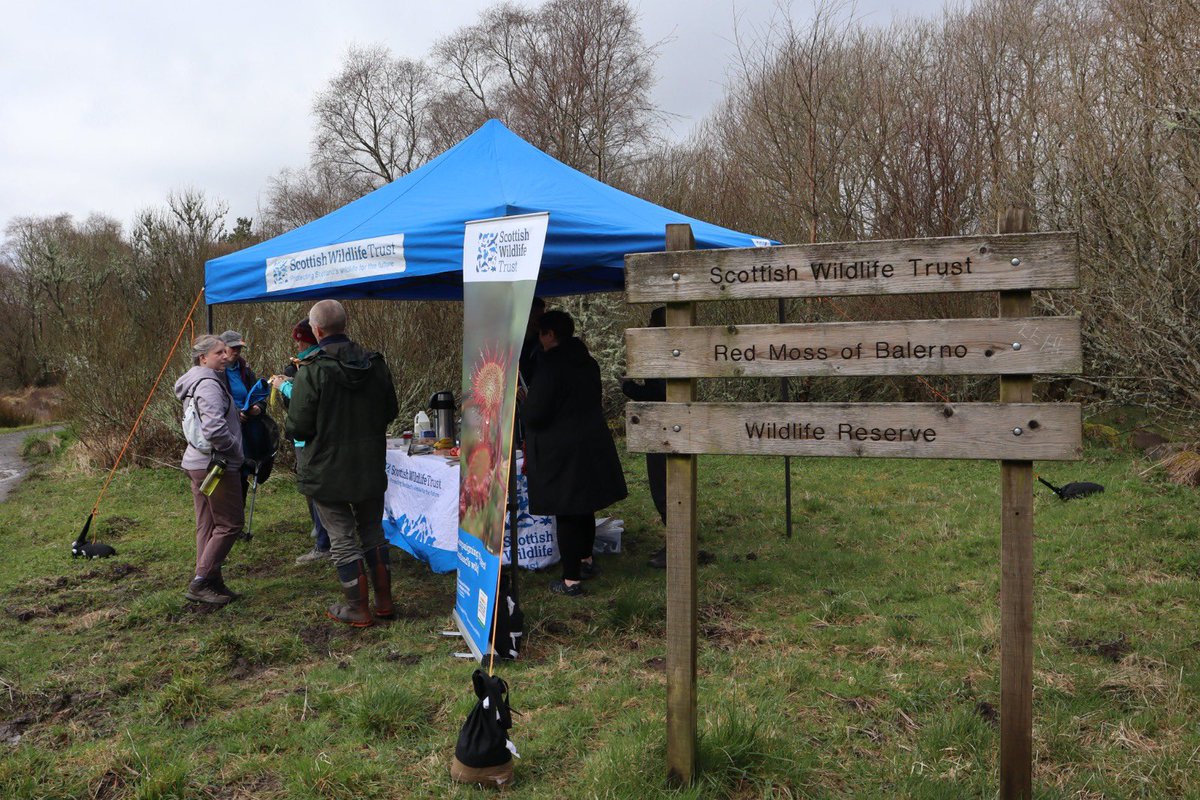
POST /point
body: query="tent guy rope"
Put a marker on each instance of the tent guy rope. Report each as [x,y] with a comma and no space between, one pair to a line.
[187,325]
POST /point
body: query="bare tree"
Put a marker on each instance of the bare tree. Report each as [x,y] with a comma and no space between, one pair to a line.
[298,196]
[572,78]
[372,119]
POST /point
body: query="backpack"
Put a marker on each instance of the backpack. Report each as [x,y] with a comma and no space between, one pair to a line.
[260,440]
[191,423]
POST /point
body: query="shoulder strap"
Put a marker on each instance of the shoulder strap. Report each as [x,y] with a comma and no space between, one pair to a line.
[192,392]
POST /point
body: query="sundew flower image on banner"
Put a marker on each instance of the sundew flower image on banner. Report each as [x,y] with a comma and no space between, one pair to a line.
[491,346]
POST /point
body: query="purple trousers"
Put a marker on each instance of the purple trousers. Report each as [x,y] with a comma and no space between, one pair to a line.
[219,519]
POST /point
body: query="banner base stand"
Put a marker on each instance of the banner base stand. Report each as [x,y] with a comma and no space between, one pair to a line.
[475,653]
[450,634]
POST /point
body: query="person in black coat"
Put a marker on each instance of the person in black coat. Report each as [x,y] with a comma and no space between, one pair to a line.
[654,390]
[570,457]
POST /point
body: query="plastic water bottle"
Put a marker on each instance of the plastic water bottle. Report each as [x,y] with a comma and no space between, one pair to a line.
[422,426]
[215,470]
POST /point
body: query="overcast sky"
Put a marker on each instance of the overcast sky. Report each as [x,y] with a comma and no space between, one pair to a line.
[108,107]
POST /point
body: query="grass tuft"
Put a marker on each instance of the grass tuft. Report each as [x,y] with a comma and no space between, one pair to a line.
[187,698]
[1184,468]
[389,710]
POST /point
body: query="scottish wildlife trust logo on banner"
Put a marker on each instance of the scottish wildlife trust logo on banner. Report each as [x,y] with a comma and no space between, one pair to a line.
[505,248]
[337,263]
[486,253]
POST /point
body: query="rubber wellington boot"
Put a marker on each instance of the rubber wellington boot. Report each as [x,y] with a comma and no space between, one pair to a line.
[355,611]
[379,565]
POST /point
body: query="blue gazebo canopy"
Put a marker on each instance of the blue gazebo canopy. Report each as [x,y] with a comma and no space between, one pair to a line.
[491,173]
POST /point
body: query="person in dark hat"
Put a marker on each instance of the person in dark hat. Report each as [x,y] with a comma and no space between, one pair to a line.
[306,344]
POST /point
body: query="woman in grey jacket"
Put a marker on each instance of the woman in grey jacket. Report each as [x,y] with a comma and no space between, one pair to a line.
[218,515]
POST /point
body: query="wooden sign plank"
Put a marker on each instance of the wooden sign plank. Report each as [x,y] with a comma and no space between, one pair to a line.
[898,266]
[914,347]
[983,431]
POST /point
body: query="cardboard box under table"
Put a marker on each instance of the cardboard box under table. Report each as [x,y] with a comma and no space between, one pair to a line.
[420,512]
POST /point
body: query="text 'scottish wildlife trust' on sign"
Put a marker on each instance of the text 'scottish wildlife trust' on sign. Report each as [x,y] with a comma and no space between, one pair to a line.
[898,266]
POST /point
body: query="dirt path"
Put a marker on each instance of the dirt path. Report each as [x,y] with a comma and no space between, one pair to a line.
[12,466]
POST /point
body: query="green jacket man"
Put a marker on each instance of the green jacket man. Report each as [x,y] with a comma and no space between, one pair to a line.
[343,399]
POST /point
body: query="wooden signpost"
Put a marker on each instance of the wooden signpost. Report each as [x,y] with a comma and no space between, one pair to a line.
[1014,431]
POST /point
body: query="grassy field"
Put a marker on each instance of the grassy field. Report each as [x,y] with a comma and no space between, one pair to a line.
[858,659]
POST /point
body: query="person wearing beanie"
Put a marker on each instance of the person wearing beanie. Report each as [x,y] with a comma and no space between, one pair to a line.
[306,344]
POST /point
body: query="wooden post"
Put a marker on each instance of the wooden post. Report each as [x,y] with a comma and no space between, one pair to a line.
[1016,573]
[784,397]
[681,565]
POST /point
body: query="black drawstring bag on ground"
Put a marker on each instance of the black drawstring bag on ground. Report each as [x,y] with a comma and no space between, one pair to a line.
[484,753]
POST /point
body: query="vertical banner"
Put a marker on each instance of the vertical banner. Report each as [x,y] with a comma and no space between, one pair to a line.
[501,259]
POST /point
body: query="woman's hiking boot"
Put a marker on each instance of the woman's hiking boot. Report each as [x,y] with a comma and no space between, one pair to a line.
[201,590]
[218,584]
[355,611]
[379,565]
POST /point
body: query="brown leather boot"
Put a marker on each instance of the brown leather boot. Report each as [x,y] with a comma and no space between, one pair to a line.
[201,590]
[218,584]
[355,611]
[379,565]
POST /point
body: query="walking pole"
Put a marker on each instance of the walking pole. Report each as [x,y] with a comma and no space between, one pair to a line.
[248,532]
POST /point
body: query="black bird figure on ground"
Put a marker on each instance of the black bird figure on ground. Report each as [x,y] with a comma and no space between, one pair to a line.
[1073,490]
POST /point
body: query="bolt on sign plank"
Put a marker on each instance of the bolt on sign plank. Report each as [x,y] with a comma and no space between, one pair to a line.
[981,431]
[1000,262]
[1034,345]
